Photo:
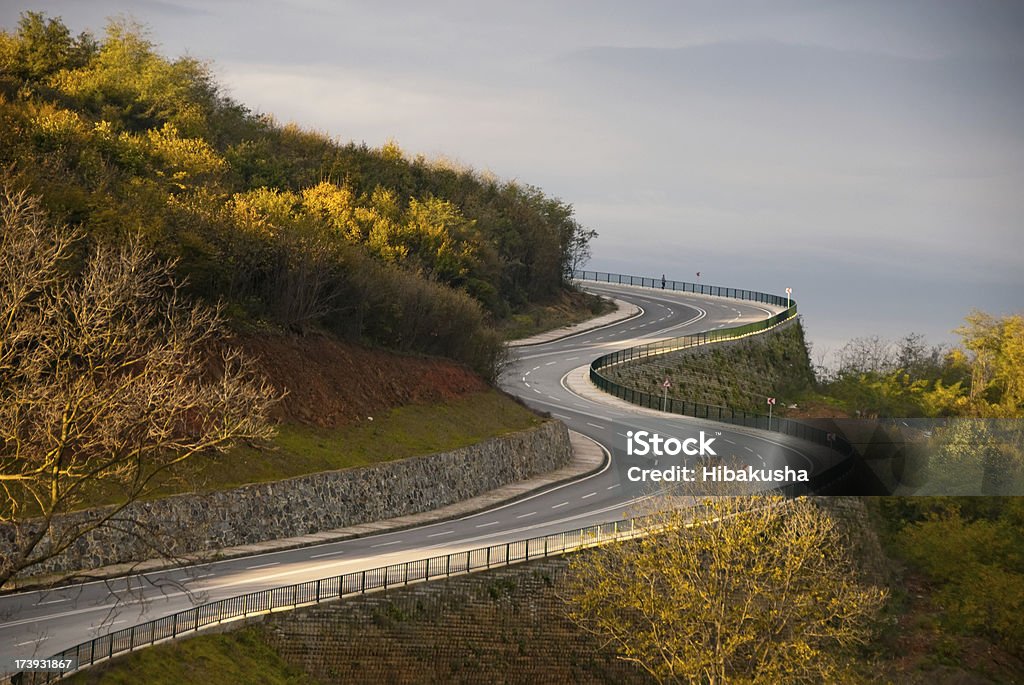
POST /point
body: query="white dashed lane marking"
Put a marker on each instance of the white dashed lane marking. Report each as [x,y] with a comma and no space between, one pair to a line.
[559,505]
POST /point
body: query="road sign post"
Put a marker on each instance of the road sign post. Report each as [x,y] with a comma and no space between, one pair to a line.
[789,291]
[771,403]
[664,398]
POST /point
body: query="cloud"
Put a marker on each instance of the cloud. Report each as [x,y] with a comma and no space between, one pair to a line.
[854,149]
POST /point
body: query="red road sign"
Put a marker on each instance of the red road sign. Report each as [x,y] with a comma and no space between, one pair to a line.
[771,400]
[666,384]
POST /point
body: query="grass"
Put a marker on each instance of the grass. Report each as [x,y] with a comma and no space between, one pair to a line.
[241,657]
[568,309]
[403,432]
[298,450]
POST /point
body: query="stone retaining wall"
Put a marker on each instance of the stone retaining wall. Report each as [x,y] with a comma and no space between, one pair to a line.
[501,626]
[184,524]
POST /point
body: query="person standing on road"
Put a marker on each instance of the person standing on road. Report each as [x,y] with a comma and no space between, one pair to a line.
[663,281]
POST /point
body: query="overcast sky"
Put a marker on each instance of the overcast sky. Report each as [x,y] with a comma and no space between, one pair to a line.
[870,155]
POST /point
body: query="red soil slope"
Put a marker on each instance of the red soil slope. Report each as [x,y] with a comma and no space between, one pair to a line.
[331,383]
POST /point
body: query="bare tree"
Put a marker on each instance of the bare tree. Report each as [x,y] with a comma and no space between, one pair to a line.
[577,252]
[757,589]
[871,354]
[106,381]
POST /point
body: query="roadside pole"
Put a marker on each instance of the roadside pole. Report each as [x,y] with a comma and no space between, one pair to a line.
[664,398]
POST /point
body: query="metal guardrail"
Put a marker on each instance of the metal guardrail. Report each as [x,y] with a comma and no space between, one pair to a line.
[696,409]
[333,588]
[680,286]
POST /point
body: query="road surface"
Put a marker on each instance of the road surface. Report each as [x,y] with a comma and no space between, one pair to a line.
[43,623]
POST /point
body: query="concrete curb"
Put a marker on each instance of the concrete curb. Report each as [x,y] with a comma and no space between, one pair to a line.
[624,311]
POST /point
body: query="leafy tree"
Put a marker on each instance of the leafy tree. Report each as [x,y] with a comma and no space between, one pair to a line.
[105,381]
[974,455]
[996,349]
[42,46]
[129,84]
[757,590]
[981,587]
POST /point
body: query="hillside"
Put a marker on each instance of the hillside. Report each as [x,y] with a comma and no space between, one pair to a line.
[331,383]
[367,284]
[290,227]
[738,374]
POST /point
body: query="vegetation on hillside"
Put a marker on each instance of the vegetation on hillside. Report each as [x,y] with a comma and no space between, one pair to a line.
[958,588]
[959,568]
[740,374]
[237,658]
[982,377]
[287,225]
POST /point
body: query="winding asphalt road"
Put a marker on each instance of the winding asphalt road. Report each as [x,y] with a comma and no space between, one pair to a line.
[43,623]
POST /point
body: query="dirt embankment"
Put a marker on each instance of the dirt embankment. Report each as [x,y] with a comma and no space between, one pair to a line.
[331,383]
